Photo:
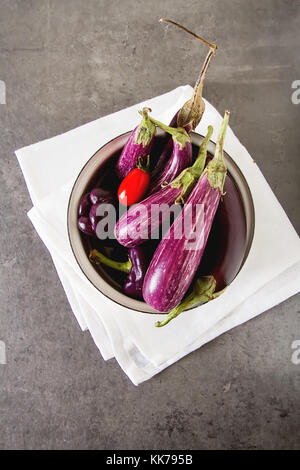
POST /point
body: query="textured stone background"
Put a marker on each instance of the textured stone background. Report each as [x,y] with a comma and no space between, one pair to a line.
[66,62]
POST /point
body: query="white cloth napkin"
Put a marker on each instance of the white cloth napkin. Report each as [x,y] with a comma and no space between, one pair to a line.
[270,275]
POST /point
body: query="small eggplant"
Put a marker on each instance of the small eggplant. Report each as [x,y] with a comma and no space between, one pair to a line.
[180,159]
[94,218]
[176,260]
[102,218]
[137,146]
[85,226]
[84,205]
[135,267]
[167,151]
[88,208]
[132,229]
[101,195]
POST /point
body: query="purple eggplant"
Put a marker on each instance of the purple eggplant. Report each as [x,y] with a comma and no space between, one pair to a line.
[142,220]
[135,267]
[84,205]
[138,145]
[85,226]
[139,223]
[94,217]
[134,283]
[88,209]
[180,159]
[179,253]
[101,195]
[102,217]
[167,151]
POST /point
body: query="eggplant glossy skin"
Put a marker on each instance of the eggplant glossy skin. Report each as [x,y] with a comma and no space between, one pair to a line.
[226,243]
[131,153]
[84,205]
[100,195]
[136,225]
[87,210]
[167,150]
[135,268]
[134,283]
[166,154]
[85,226]
[174,263]
[95,218]
[180,159]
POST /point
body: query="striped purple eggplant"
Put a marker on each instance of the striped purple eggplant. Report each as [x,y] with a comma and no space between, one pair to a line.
[180,159]
[143,220]
[139,223]
[166,152]
[188,117]
[179,253]
[88,207]
[138,145]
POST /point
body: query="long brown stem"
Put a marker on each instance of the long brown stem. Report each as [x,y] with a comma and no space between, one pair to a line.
[200,80]
[191,112]
[211,45]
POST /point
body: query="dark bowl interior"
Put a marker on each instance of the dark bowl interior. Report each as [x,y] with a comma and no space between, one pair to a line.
[228,244]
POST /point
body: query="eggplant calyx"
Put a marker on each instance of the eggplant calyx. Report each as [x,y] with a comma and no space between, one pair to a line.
[189,177]
[99,258]
[203,291]
[144,164]
[216,169]
[216,174]
[178,134]
[145,129]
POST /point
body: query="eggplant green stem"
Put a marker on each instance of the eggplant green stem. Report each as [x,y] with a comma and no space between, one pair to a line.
[202,154]
[219,154]
[144,164]
[200,80]
[216,169]
[145,112]
[145,130]
[99,258]
[189,177]
[203,291]
[178,133]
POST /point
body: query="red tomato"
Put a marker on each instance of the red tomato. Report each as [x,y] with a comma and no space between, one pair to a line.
[133,187]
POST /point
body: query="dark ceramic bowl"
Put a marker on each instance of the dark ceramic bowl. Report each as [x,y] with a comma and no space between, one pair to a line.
[228,244]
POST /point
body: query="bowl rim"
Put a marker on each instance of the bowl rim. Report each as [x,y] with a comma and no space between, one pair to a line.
[139,305]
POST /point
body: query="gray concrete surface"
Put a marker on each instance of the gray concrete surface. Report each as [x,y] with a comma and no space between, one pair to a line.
[66,62]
